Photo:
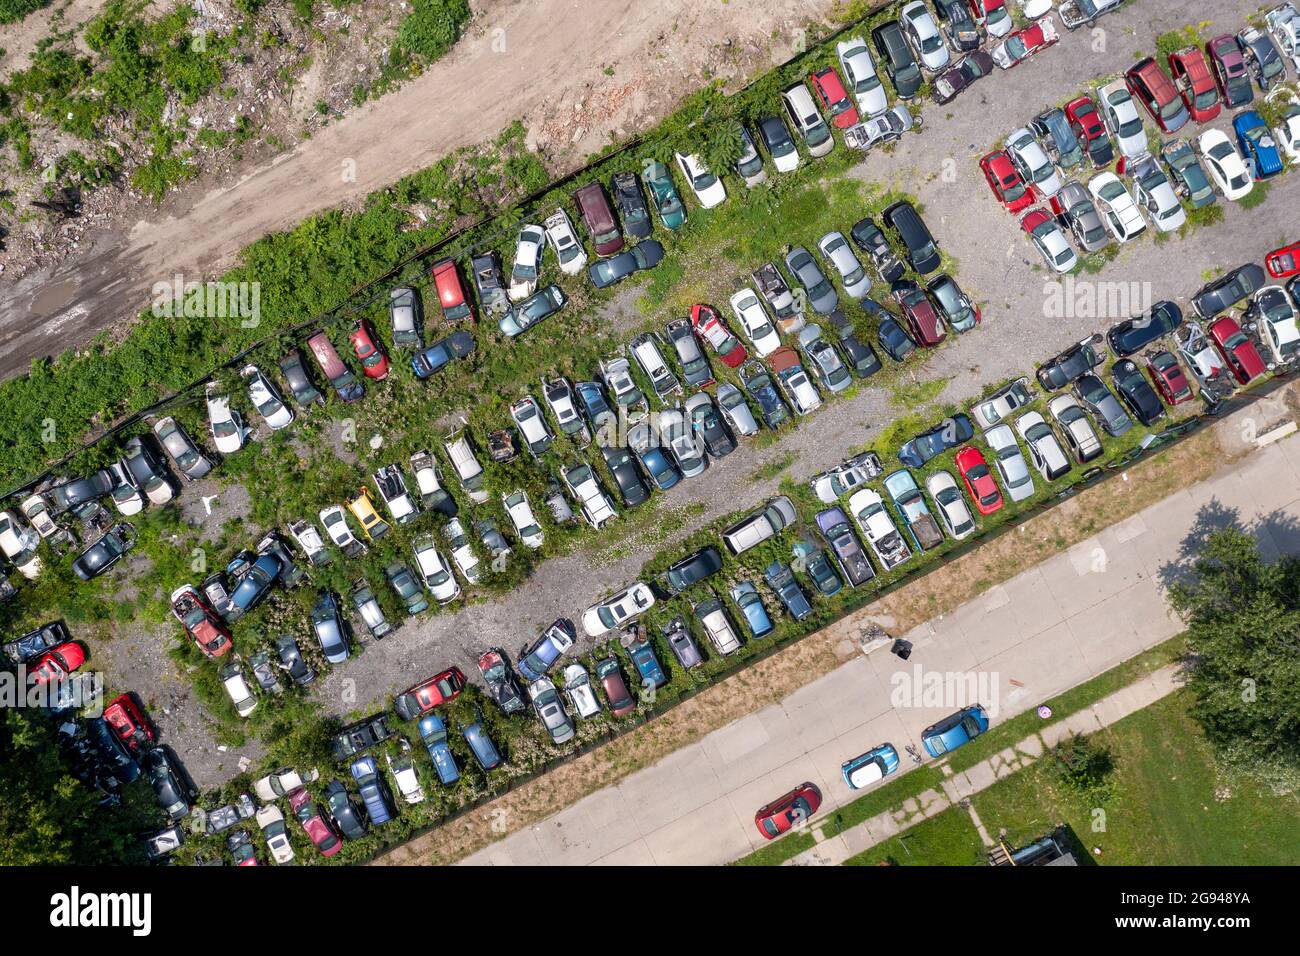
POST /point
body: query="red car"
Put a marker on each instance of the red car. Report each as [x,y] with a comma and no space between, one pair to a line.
[127,721]
[1237,350]
[826,84]
[1088,126]
[56,663]
[785,812]
[201,622]
[707,325]
[1195,83]
[1154,90]
[1230,71]
[1284,262]
[982,10]
[922,318]
[451,291]
[426,695]
[979,480]
[316,824]
[1168,378]
[1005,182]
[373,360]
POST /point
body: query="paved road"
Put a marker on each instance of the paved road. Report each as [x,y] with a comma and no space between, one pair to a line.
[1044,631]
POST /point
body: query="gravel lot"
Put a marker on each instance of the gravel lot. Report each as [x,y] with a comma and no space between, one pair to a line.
[995,264]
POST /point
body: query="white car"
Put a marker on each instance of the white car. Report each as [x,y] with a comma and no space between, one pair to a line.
[685,446]
[527,415]
[1287,133]
[564,240]
[1271,307]
[1116,207]
[1033,9]
[18,542]
[734,408]
[406,778]
[392,489]
[333,519]
[927,42]
[618,609]
[582,484]
[232,679]
[1155,194]
[577,687]
[271,820]
[528,261]
[852,473]
[308,538]
[228,431]
[37,511]
[266,399]
[1051,242]
[1284,23]
[522,517]
[126,495]
[998,23]
[808,122]
[1010,463]
[953,511]
[1079,433]
[1032,162]
[462,552]
[835,249]
[713,618]
[616,373]
[282,782]
[1224,164]
[1123,122]
[861,77]
[558,394]
[434,571]
[707,187]
[1044,450]
[753,320]
[878,528]
[467,467]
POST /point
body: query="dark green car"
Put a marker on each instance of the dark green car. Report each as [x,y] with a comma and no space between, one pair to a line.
[664,195]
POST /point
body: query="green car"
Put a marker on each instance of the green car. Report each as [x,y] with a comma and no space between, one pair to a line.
[664,195]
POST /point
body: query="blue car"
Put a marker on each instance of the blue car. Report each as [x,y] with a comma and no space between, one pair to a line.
[894,340]
[658,468]
[427,361]
[751,609]
[647,665]
[373,789]
[541,657]
[112,752]
[949,433]
[780,578]
[870,767]
[1257,144]
[255,583]
[481,745]
[434,734]
[591,399]
[954,731]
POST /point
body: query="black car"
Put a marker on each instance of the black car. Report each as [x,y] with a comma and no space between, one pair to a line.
[1137,392]
[897,59]
[360,736]
[146,467]
[1226,291]
[105,552]
[345,814]
[295,376]
[22,649]
[626,476]
[956,79]
[692,569]
[780,578]
[458,345]
[958,25]
[110,752]
[922,252]
[291,660]
[1075,361]
[489,282]
[1132,335]
[631,204]
[894,339]
[866,235]
[708,424]
[642,256]
[240,845]
[775,136]
[758,383]
[168,781]
[501,682]
[949,433]
[1262,57]
[291,573]
[862,357]
[79,493]
[849,556]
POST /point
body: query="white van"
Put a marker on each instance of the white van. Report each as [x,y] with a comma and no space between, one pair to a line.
[466,466]
[801,109]
[758,527]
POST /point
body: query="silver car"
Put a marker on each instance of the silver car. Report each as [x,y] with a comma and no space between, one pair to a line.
[817,288]
[550,711]
[1011,463]
[924,36]
[837,252]
[1032,162]
[676,432]
[1081,213]
[998,406]
[191,462]
[734,408]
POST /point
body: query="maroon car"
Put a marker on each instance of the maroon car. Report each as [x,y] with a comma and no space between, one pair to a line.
[621,701]
[316,824]
[1230,72]
[1168,378]
[922,319]
[598,217]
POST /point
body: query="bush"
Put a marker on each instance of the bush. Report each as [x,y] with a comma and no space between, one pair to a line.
[1083,767]
[432,28]
[11,11]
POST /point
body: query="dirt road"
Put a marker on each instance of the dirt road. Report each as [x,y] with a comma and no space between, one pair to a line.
[575,71]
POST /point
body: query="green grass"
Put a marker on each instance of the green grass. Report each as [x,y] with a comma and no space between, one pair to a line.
[947,839]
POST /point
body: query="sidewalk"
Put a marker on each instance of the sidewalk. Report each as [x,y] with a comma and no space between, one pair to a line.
[958,787]
[1042,632]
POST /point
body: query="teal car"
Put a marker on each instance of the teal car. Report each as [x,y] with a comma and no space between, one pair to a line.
[955,730]
[868,768]
[664,195]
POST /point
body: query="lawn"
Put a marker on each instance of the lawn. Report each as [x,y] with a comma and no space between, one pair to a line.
[949,839]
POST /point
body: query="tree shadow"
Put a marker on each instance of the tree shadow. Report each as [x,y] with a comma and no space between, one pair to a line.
[1277,534]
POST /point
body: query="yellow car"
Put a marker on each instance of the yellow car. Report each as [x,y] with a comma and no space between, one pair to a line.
[363,509]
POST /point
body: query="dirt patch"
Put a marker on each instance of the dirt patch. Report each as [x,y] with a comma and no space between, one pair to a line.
[768,681]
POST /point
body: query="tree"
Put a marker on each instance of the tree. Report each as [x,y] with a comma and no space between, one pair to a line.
[1243,618]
